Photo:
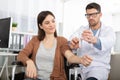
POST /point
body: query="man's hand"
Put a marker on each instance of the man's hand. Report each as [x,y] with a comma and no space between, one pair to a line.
[74,43]
[87,35]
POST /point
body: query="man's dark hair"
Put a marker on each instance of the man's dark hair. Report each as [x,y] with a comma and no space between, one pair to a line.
[94,5]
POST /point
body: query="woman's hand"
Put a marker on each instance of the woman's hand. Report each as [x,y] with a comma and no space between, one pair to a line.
[31,71]
[86,60]
[72,58]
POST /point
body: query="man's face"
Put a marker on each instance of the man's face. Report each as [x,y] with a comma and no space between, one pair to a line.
[93,16]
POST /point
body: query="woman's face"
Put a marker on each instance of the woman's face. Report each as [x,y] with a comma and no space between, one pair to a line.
[49,25]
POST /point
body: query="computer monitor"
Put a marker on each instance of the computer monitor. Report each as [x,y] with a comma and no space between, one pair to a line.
[5,30]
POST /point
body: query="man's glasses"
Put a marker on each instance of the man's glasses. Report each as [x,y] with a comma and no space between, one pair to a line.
[92,15]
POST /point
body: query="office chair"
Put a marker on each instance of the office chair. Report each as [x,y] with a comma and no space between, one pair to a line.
[68,69]
[18,76]
[21,75]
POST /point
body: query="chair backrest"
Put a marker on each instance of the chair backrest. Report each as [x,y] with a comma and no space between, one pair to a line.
[115,67]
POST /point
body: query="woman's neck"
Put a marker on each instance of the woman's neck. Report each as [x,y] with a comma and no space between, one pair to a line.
[49,37]
[49,41]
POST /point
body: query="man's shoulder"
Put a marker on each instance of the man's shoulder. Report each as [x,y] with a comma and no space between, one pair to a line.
[107,27]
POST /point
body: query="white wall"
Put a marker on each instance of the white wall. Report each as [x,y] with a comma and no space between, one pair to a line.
[25,12]
[117,43]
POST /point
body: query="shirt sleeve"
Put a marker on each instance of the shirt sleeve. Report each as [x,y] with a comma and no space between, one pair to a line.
[98,44]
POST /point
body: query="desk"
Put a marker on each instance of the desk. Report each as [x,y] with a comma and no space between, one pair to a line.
[5,64]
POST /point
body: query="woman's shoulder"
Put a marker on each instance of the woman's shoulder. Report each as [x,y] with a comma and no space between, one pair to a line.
[35,38]
[61,39]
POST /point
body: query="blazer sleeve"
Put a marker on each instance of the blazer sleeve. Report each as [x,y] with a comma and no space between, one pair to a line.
[24,54]
[64,45]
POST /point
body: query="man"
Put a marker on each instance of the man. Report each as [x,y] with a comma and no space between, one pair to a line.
[95,40]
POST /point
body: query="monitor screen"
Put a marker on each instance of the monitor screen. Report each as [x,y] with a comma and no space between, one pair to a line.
[5,27]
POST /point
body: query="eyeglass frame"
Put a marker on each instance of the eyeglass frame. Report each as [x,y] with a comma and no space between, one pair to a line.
[92,14]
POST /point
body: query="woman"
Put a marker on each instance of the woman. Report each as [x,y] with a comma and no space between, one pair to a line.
[48,52]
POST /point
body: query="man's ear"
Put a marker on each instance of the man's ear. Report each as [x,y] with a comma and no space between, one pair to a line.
[100,14]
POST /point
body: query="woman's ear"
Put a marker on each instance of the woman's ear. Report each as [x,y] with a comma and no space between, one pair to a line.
[40,26]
